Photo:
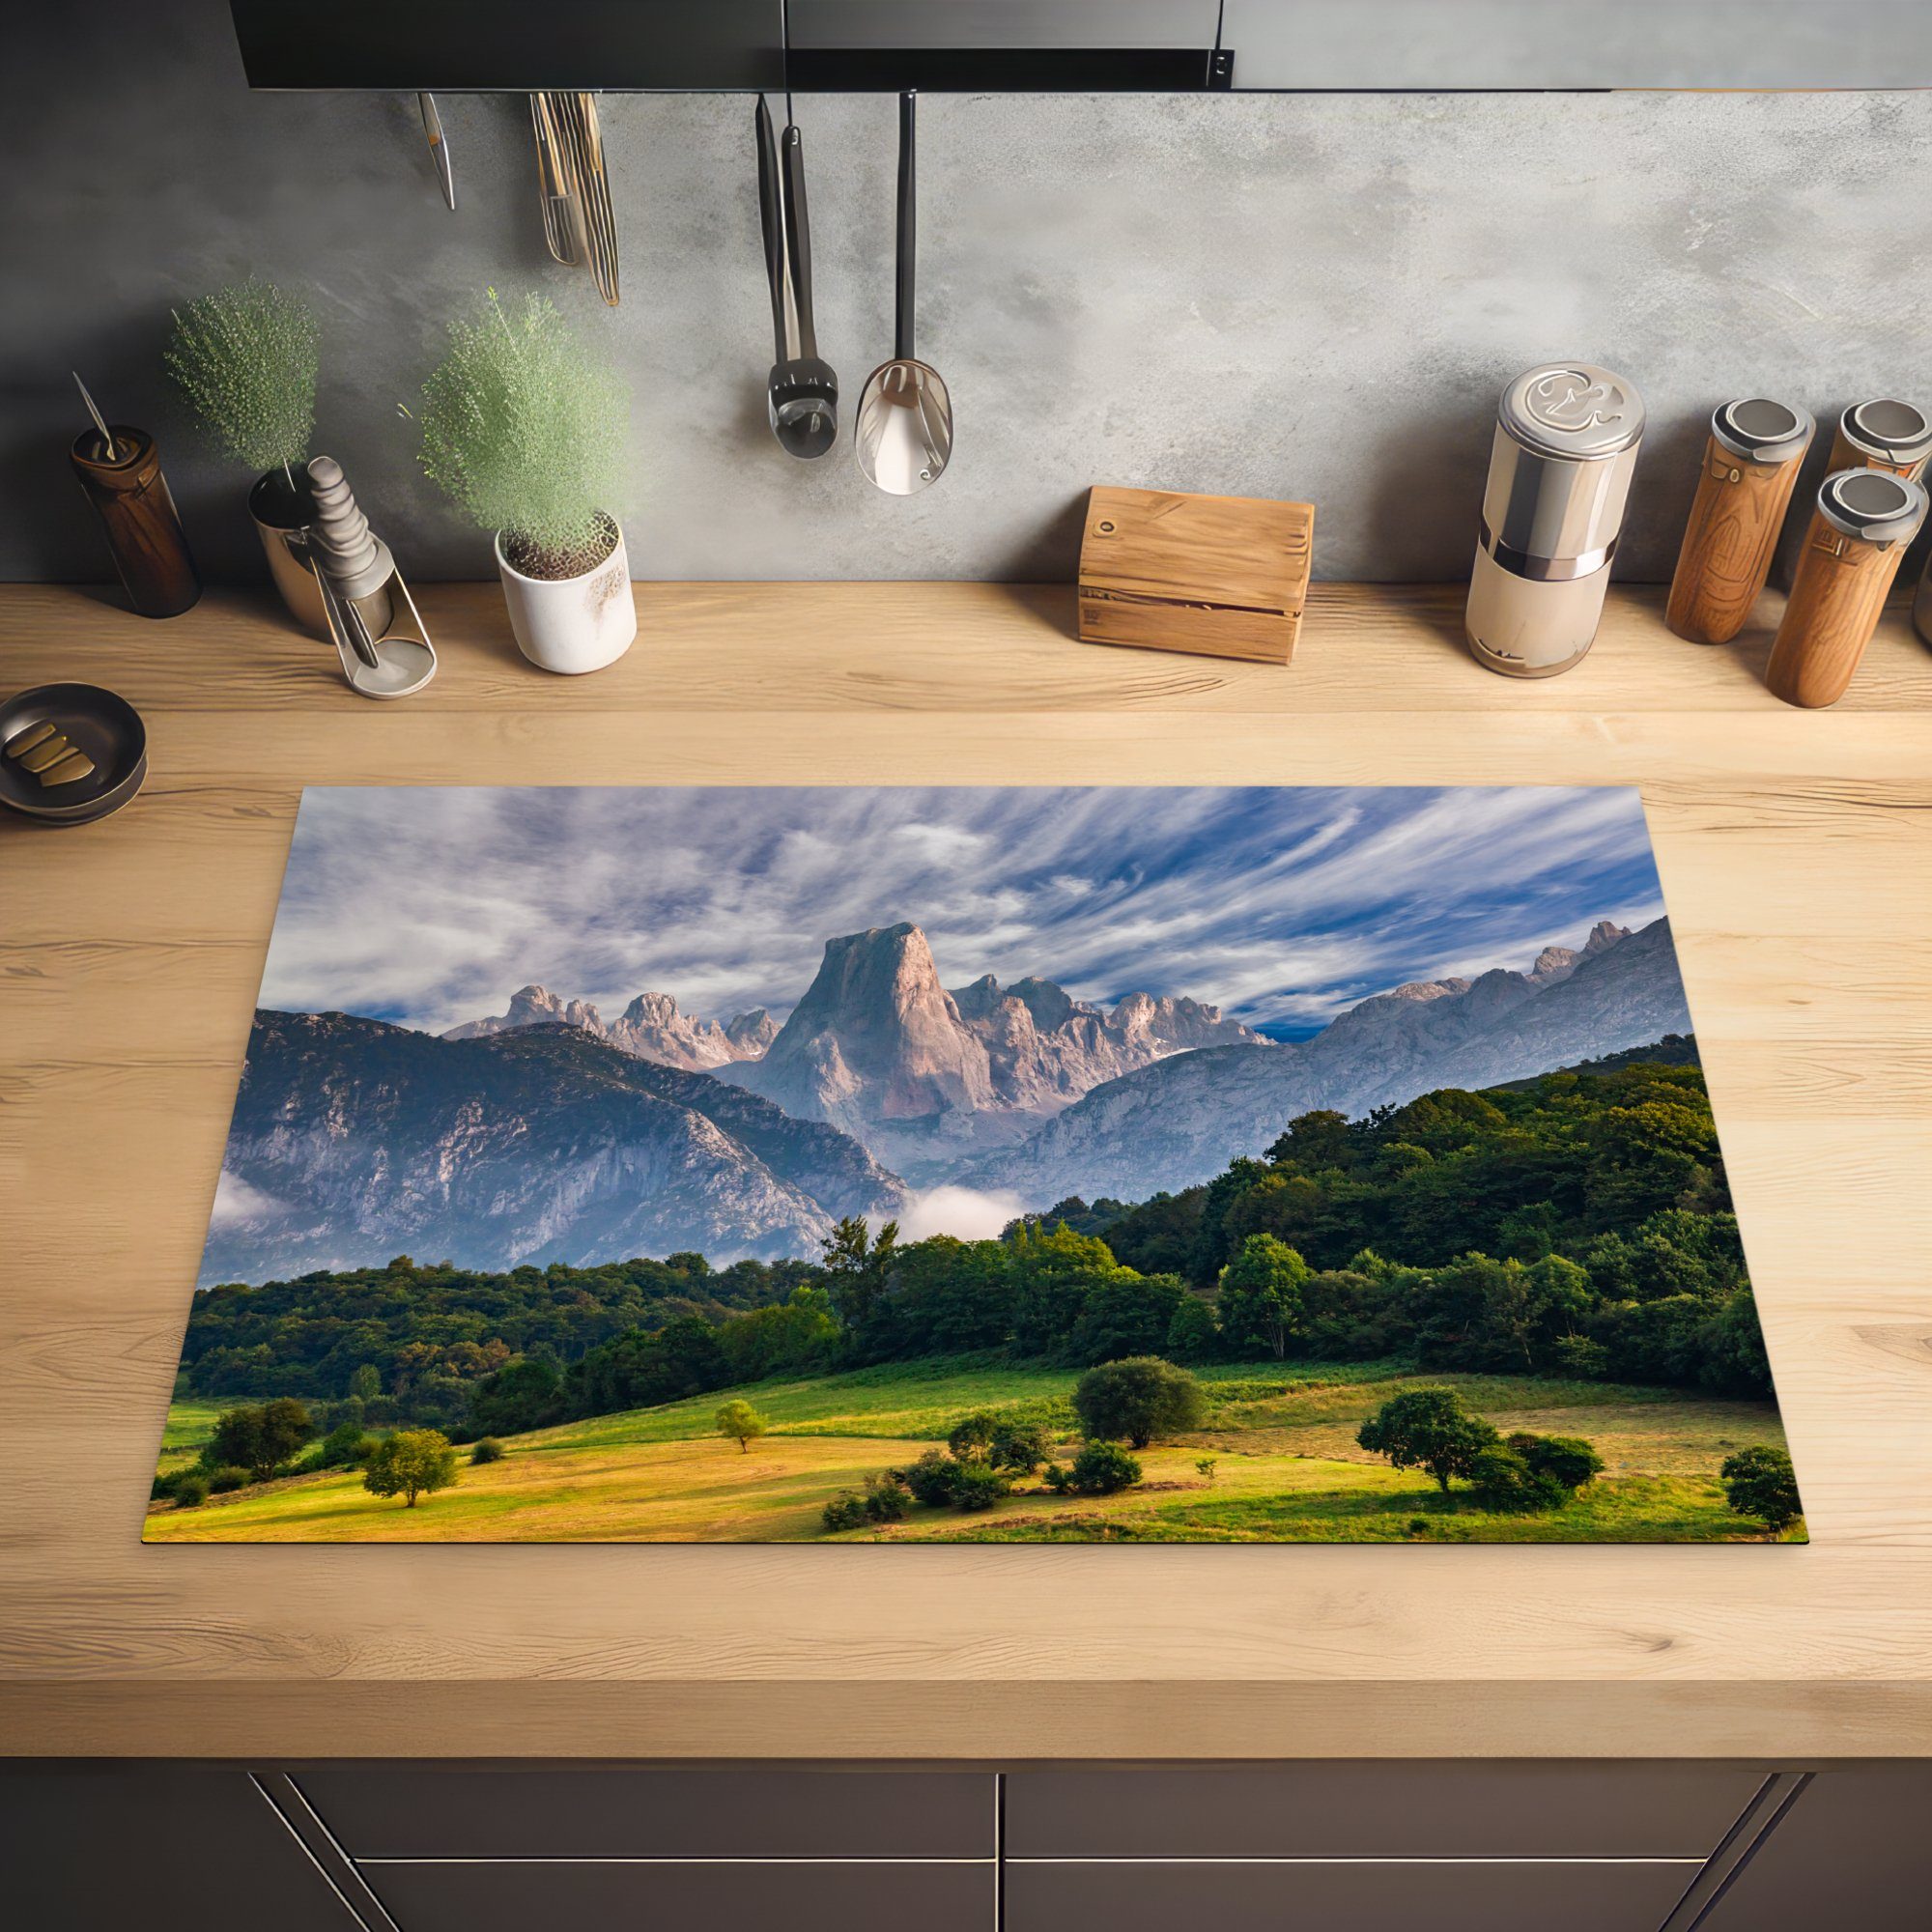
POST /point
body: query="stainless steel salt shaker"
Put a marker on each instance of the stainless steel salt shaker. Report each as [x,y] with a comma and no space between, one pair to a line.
[1566,443]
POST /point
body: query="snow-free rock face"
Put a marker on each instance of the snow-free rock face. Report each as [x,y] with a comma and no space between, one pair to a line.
[1181,1119]
[650,1027]
[925,1076]
[353,1141]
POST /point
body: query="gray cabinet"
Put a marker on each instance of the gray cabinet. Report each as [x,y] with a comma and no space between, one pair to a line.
[156,1847]
[1414,1810]
[622,1811]
[1300,1847]
[586,1896]
[1519,1895]
[1854,1851]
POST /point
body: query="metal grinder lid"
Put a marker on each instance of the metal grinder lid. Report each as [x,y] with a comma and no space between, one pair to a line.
[1889,429]
[1872,504]
[1762,431]
[1571,410]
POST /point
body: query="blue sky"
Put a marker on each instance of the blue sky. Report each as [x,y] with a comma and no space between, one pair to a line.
[429,907]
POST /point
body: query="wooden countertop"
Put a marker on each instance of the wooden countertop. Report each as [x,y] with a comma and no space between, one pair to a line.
[1795,850]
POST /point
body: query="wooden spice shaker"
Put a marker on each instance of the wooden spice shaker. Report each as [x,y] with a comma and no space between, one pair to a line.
[1750,469]
[1859,530]
[1883,435]
[130,496]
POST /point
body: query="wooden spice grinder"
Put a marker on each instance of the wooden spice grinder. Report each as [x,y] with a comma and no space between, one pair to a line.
[1859,530]
[122,478]
[1750,469]
[1883,435]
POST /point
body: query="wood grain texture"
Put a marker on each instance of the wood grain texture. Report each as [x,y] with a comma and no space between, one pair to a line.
[1794,851]
[1223,577]
[1836,599]
[1728,543]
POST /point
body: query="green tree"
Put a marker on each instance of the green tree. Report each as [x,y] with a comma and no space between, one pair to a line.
[260,1440]
[1428,1429]
[1099,1470]
[522,1396]
[1053,1271]
[1191,1335]
[931,1478]
[856,1265]
[1124,1314]
[409,1464]
[740,1423]
[486,1449]
[1503,1480]
[1315,1140]
[1568,1461]
[887,1498]
[366,1384]
[1204,1467]
[1018,1444]
[947,1295]
[1262,1294]
[1139,1399]
[979,1486]
[1759,1481]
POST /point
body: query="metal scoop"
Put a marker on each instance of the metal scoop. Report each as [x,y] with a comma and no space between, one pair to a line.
[903,434]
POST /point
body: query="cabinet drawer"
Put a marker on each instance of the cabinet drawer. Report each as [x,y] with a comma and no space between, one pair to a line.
[468,1812]
[511,1897]
[1415,1810]
[1521,1897]
[1852,1851]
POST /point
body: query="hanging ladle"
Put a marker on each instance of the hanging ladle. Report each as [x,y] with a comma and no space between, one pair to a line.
[903,434]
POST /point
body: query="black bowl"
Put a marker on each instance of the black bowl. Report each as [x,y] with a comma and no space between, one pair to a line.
[107,728]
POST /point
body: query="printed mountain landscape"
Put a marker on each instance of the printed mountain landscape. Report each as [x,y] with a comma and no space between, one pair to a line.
[1072,1165]
[544,1135]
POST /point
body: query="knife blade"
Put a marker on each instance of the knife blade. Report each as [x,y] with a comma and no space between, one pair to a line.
[438,148]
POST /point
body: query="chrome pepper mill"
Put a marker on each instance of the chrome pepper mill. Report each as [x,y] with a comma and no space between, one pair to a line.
[1566,443]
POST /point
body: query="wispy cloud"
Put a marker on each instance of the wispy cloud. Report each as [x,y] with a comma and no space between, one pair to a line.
[430,906]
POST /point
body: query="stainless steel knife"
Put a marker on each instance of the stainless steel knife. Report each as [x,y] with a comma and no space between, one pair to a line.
[438,148]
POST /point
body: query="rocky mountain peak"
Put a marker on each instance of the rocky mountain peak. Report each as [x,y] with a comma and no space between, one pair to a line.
[750,1034]
[533,1006]
[1049,1005]
[1553,963]
[1602,936]
[651,1027]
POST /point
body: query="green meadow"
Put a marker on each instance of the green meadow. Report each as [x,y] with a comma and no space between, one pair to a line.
[1282,1438]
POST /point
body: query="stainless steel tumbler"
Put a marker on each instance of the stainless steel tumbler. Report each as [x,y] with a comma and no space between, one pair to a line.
[1567,439]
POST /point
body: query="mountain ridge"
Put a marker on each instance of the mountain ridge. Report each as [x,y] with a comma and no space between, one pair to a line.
[352,1138]
[879,1047]
[1181,1119]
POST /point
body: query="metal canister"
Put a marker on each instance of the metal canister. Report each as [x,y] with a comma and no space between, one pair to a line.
[1566,443]
[1883,435]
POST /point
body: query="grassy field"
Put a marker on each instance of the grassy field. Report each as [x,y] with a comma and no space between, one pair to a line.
[1288,1468]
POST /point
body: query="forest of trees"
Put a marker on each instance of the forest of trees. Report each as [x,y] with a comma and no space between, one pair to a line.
[1577,1225]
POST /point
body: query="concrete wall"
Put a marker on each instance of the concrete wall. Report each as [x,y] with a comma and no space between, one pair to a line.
[1273,294]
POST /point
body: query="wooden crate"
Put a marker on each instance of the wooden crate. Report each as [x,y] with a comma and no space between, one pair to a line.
[1223,575]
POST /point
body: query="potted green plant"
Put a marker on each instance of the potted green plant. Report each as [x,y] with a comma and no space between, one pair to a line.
[245,358]
[524,428]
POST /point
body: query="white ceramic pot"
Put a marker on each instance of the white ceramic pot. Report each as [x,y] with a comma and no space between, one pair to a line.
[572,624]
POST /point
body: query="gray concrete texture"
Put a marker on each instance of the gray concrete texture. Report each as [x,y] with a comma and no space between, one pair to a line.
[1302,296]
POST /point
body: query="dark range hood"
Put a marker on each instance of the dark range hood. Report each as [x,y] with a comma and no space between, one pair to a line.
[1079,47]
[822,47]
